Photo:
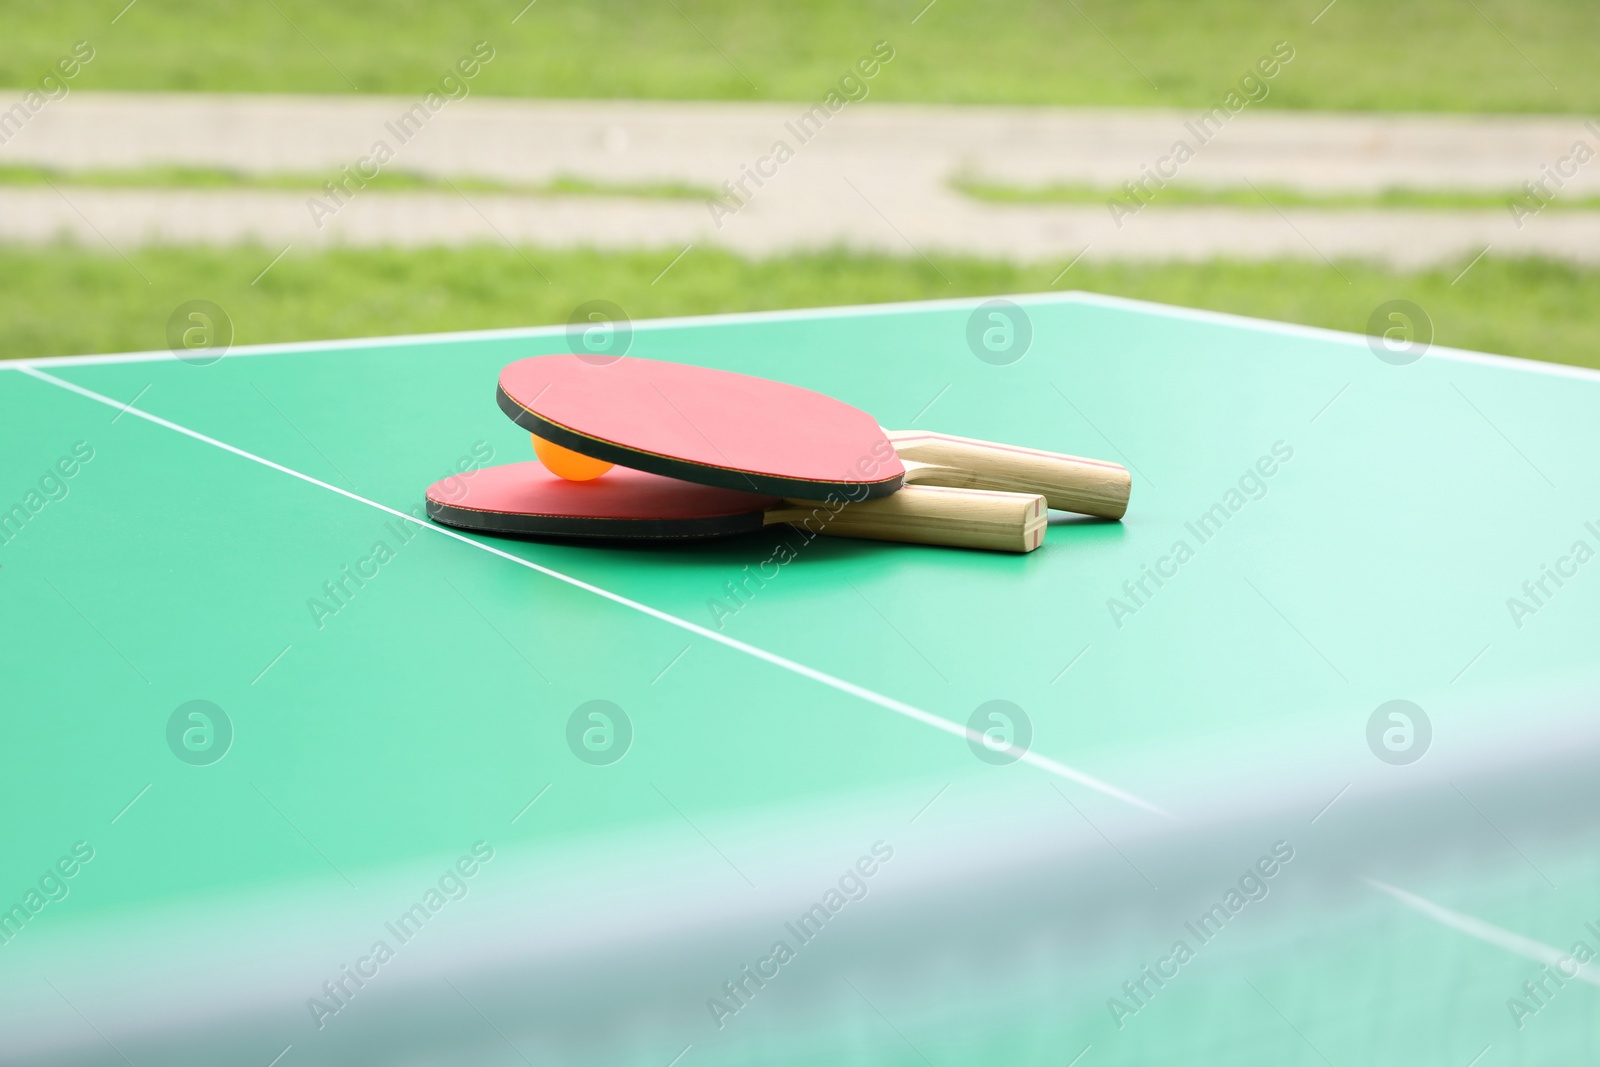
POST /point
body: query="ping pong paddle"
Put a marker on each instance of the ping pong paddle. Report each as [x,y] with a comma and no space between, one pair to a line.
[526,500]
[735,431]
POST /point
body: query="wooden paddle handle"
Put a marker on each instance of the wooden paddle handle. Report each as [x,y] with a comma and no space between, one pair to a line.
[928,515]
[1071,483]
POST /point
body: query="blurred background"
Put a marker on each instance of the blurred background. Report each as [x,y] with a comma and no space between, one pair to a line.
[323,170]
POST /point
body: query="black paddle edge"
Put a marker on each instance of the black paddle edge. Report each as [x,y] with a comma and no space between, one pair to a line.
[568,528]
[700,473]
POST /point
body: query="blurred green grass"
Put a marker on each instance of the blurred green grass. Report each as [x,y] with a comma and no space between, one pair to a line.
[394,181]
[398,181]
[65,299]
[1175,193]
[1425,55]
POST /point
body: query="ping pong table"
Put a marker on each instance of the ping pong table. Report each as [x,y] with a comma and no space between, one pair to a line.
[293,777]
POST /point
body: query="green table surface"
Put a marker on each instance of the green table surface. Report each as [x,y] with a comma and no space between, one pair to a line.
[1176,739]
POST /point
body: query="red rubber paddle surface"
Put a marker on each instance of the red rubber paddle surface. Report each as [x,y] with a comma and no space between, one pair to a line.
[526,500]
[713,427]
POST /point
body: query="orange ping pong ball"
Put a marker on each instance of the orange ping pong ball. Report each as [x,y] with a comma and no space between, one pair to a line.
[565,463]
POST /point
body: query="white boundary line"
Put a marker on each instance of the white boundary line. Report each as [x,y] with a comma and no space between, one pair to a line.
[849,688]
[1218,318]
[1318,333]
[517,332]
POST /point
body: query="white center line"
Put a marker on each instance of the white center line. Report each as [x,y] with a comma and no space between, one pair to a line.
[132,402]
[899,707]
